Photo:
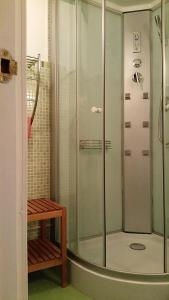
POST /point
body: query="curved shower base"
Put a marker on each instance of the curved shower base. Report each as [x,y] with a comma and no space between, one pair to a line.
[102,284]
[130,253]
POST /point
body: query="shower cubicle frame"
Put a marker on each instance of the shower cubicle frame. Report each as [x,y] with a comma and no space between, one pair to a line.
[74,257]
[164,142]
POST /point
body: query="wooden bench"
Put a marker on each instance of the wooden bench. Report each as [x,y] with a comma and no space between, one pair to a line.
[42,253]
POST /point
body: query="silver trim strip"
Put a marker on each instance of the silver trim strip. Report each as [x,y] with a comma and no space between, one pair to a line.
[164,130]
[77,136]
[104,124]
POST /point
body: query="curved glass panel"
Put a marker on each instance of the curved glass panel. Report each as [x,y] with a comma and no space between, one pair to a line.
[81,125]
[65,140]
[157,132]
[133,124]
[134,169]
[113,109]
[90,132]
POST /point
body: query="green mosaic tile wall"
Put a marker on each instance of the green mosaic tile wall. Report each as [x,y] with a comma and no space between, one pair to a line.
[39,143]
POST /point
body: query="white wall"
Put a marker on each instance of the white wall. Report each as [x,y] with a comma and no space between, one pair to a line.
[37,28]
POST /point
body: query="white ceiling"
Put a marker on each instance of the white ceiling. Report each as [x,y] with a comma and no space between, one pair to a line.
[127,5]
[132,2]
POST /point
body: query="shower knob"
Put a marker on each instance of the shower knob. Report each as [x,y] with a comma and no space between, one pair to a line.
[95,109]
[137,77]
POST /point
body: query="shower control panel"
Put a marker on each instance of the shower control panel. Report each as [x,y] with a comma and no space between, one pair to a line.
[8,66]
[137,122]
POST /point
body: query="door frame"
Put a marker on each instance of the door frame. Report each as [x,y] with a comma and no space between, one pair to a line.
[22,150]
[13,157]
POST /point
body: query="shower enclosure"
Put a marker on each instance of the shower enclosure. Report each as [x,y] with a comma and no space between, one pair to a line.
[113,129]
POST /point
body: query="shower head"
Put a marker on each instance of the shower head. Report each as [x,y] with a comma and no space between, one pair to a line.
[158,24]
[158,21]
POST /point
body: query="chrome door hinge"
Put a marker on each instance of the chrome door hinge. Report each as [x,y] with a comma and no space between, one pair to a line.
[8,66]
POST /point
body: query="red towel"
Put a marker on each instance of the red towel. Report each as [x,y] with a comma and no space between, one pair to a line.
[29,127]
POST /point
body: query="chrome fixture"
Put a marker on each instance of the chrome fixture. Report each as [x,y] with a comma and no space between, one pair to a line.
[137,246]
[95,109]
[33,65]
[167,104]
[137,62]
[160,136]
[137,77]
[94,145]
[158,24]
[159,29]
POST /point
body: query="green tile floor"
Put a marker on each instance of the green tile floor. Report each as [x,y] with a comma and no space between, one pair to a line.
[46,286]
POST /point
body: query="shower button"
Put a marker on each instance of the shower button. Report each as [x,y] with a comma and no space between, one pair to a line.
[145,124]
[145,96]
[145,152]
[127,152]
[127,96]
[127,124]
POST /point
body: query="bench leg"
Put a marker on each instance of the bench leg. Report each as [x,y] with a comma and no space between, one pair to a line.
[63,248]
[64,275]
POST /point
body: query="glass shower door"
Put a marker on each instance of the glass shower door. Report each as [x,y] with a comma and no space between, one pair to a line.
[113,110]
[90,191]
[166,124]
[64,140]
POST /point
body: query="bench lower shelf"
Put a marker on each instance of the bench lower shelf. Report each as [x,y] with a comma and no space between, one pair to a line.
[42,254]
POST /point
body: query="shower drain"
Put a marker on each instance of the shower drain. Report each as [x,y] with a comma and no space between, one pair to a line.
[137,246]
